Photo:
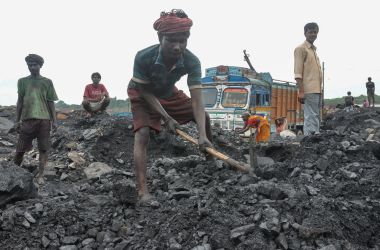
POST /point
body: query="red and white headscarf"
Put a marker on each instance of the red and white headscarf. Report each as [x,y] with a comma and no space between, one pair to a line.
[173,22]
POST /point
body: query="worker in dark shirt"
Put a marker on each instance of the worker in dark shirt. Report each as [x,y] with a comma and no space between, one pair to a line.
[154,97]
[370,91]
[349,102]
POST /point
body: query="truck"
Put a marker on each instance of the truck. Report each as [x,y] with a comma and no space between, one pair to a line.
[229,91]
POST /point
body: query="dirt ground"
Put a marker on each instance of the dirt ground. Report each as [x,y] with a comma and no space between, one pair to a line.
[315,192]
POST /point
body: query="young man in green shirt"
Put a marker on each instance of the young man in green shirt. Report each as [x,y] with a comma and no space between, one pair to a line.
[35,113]
[153,94]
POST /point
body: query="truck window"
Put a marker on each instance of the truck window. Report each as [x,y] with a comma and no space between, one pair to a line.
[234,98]
[258,100]
[266,100]
[209,96]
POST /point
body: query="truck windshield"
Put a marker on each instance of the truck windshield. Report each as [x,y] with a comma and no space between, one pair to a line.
[209,96]
[234,98]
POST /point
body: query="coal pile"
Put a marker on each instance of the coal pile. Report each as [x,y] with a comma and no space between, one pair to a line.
[316,192]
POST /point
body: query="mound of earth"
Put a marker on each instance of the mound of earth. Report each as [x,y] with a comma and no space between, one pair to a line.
[316,192]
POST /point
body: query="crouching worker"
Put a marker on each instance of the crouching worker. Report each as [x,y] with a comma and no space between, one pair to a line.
[281,124]
[257,122]
[153,94]
[349,102]
[95,97]
[35,113]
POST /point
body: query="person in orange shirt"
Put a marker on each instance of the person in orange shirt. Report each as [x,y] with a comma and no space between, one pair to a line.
[257,122]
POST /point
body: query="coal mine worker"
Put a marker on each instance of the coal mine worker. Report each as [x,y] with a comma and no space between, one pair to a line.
[349,102]
[35,113]
[257,122]
[365,103]
[154,97]
[308,75]
[95,98]
[281,124]
[370,92]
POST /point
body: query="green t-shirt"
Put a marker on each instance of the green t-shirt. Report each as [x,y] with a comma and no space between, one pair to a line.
[35,92]
[150,70]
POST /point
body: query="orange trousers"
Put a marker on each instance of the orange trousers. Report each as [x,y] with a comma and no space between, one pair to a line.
[263,133]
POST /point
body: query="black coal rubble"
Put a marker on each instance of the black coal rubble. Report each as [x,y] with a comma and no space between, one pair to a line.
[316,192]
[15,184]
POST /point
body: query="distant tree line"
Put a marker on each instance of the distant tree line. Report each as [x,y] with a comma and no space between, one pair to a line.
[358,100]
[125,105]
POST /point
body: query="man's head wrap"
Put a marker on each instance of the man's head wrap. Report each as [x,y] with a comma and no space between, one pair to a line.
[34,58]
[173,22]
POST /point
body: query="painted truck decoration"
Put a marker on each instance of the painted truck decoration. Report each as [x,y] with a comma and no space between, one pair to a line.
[230,91]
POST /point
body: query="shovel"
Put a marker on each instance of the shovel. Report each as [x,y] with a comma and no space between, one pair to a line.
[236,164]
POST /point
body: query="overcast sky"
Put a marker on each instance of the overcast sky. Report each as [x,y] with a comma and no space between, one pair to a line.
[79,37]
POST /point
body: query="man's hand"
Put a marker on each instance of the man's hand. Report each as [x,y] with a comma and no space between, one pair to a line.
[301,97]
[203,142]
[238,130]
[301,93]
[102,98]
[16,127]
[172,125]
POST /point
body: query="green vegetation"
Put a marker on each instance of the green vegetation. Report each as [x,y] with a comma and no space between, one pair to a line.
[358,100]
[61,105]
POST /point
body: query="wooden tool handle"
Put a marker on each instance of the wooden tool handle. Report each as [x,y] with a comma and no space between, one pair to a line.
[186,136]
[239,165]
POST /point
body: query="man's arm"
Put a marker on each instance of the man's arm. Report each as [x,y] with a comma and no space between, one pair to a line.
[249,125]
[19,108]
[88,99]
[198,110]
[51,96]
[200,116]
[243,130]
[105,92]
[16,127]
[299,59]
[51,107]
[20,100]
[154,103]
[301,92]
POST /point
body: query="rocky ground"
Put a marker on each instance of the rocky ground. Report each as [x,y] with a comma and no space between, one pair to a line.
[318,192]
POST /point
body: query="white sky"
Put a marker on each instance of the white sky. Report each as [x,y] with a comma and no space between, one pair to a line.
[79,37]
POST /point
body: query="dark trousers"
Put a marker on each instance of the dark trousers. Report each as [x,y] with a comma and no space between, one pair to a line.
[371,97]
